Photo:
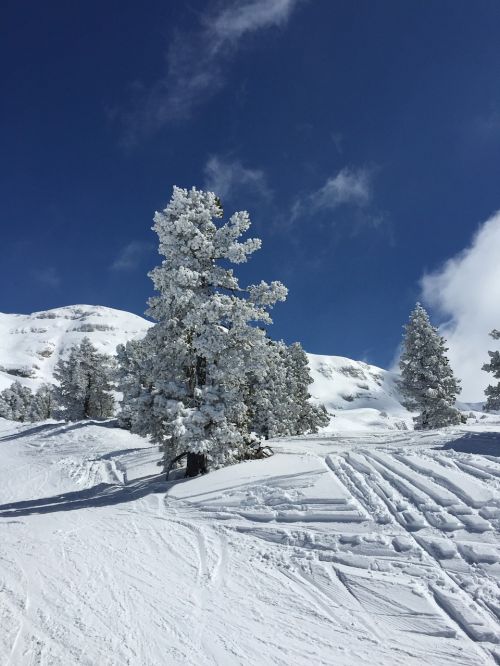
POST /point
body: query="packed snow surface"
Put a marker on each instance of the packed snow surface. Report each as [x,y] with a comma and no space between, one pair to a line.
[359,548]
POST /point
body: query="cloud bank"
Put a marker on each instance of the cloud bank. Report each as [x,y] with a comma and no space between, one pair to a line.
[465,291]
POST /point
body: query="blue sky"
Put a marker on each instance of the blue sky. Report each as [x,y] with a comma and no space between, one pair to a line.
[363,137]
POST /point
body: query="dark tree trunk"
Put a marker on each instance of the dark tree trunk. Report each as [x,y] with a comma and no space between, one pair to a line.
[86,402]
[201,371]
[196,464]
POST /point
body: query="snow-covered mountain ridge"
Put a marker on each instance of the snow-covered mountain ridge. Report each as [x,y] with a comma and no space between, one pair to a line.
[359,396]
[31,345]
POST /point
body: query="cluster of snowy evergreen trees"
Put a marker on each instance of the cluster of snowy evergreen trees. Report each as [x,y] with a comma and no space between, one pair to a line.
[84,390]
[206,381]
[85,383]
[19,403]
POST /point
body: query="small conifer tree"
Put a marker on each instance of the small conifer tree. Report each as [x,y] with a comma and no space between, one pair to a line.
[427,380]
[493,392]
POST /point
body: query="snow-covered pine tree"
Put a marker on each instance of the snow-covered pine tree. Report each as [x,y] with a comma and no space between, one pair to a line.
[135,361]
[266,396]
[306,417]
[44,405]
[85,383]
[16,402]
[5,410]
[206,341]
[493,392]
[427,380]
[279,403]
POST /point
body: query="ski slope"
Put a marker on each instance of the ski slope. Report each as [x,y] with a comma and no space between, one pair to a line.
[341,549]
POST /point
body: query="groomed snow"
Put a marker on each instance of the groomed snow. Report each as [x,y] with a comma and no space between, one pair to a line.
[339,550]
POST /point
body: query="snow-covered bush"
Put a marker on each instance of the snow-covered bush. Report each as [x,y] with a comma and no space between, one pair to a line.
[19,403]
[427,380]
[84,389]
[493,392]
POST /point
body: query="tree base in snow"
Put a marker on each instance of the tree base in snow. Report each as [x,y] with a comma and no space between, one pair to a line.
[196,464]
[256,453]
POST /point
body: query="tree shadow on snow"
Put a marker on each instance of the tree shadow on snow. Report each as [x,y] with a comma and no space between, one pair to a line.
[46,427]
[103,494]
[484,443]
[49,429]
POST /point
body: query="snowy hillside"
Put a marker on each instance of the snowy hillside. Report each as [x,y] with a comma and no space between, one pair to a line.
[359,396]
[368,549]
[31,345]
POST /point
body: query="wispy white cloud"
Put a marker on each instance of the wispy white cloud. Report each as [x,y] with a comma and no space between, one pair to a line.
[225,176]
[48,276]
[338,139]
[197,61]
[484,128]
[465,291]
[239,18]
[349,187]
[131,256]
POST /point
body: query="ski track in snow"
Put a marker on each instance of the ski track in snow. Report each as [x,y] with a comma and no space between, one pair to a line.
[379,549]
